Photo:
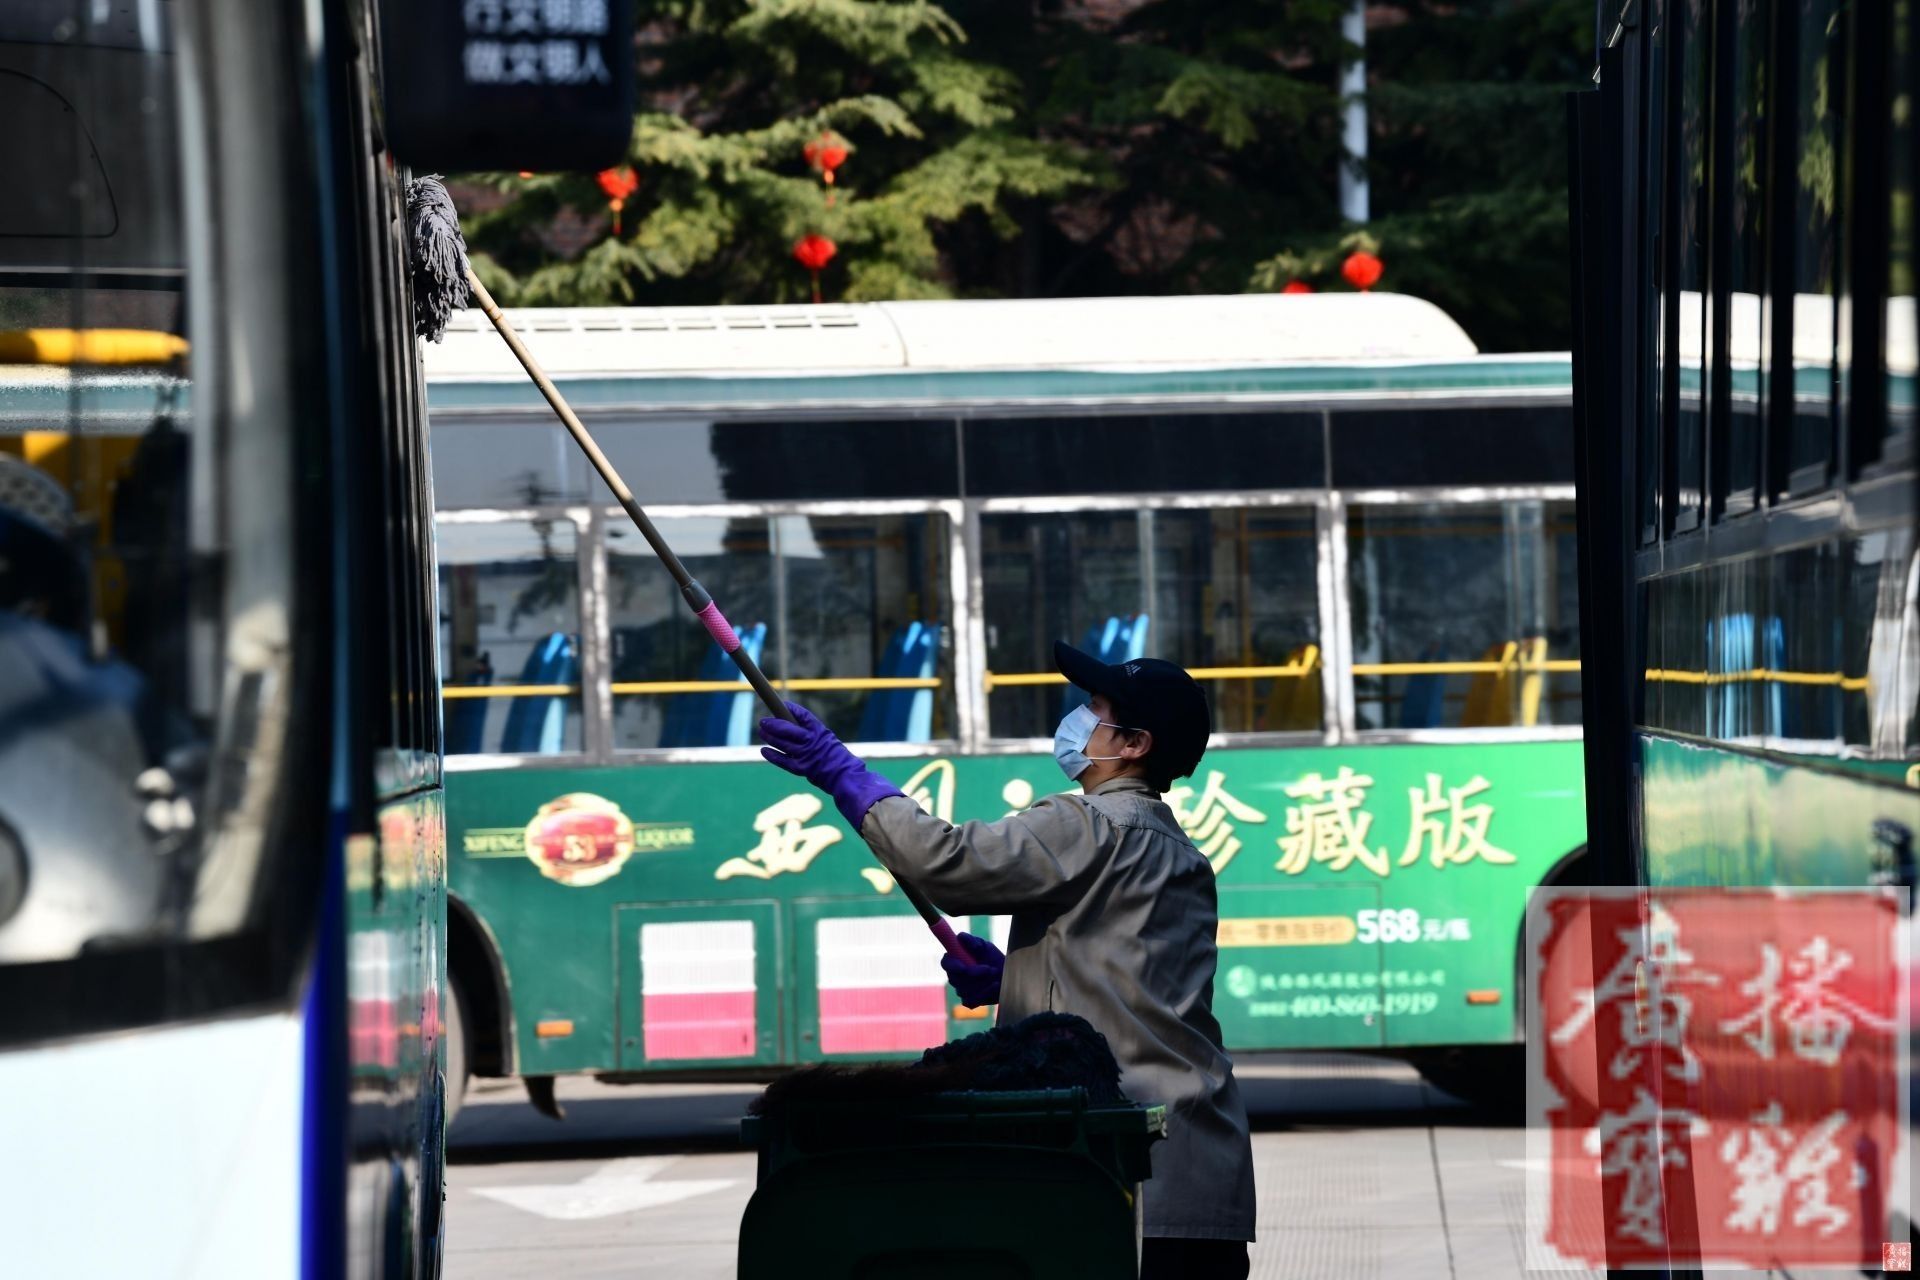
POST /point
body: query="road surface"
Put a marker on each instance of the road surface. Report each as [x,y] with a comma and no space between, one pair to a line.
[1363,1170]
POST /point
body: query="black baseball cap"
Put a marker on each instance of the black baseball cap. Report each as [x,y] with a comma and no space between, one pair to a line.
[1151,694]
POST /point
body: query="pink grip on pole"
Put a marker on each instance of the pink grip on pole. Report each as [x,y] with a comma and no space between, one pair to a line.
[718,627]
[944,931]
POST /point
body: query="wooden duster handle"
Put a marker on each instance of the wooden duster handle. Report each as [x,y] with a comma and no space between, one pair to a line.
[696,595]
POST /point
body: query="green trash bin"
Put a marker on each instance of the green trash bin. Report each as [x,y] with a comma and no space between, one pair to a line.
[967,1186]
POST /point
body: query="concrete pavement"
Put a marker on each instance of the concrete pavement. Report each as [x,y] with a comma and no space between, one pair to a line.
[1363,1170]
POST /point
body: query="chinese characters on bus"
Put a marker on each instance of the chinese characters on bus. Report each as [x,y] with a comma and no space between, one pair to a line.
[1327,824]
[1721,1075]
[790,838]
[535,41]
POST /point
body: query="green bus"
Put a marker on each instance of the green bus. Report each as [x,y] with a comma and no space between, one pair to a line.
[1745,405]
[1354,529]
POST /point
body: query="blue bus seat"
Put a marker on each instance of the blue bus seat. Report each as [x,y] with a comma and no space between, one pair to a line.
[1730,652]
[537,725]
[1133,641]
[466,718]
[916,705]
[1783,718]
[877,715]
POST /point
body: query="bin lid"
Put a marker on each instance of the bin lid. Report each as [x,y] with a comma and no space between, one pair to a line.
[979,1111]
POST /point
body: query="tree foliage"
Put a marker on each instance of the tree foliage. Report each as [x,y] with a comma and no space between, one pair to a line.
[1049,149]
[1467,166]
[737,88]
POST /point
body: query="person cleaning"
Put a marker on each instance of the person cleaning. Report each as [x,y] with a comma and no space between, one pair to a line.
[1114,918]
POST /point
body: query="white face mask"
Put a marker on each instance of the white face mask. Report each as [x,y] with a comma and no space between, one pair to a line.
[1071,738]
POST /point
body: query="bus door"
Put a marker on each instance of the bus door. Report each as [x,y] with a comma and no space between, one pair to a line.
[868,981]
[699,985]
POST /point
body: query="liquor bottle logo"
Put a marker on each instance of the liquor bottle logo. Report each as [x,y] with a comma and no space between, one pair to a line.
[579,840]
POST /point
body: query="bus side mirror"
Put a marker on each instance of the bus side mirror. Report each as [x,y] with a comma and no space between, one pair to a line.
[508,84]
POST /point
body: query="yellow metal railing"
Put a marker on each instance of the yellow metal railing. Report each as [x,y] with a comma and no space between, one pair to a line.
[1011,680]
[1019,679]
[817,684]
[1827,679]
[1024,679]
[507,690]
[824,684]
[1490,666]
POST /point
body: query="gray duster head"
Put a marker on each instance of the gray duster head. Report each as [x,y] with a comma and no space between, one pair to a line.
[436,256]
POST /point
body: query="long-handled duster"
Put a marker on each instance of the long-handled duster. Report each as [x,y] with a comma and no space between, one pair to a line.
[443,280]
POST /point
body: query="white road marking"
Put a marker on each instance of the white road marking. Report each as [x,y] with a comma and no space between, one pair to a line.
[619,1186]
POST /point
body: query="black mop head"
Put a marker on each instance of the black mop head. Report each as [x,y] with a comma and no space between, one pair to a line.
[436,255]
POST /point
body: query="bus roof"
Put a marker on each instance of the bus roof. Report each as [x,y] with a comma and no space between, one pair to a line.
[1252,348]
[1238,330]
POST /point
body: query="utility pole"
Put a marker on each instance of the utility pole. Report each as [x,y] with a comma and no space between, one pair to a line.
[1353,134]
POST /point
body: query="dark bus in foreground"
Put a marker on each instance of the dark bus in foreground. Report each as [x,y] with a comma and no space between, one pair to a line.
[1744,371]
[222,873]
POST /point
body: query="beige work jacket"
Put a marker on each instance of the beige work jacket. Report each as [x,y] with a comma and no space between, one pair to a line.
[1114,917]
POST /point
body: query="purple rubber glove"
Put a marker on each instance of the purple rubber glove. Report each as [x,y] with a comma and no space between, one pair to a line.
[808,748]
[977,983]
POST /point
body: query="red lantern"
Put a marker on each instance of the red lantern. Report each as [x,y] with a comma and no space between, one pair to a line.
[618,184]
[1297,286]
[814,252]
[825,153]
[1362,270]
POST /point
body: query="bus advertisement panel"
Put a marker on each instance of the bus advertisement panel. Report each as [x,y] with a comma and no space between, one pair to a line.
[1369,897]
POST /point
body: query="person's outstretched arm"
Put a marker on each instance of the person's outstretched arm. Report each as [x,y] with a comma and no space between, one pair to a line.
[1035,858]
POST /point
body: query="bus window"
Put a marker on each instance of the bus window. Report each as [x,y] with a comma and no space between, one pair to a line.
[1804,461]
[506,464]
[1239,588]
[148,654]
[1438,446]
[1074,577]
[1686,441]
[1736,638]
[1461,616]
[1649,600]
[1880,663]
[1743,382]
[1652,414]
[1124,453]
[866,598]
[1804,653]
[854,608]
[1231,588]
[1683,652]
[698,460]
[1895,447]
[510,636]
